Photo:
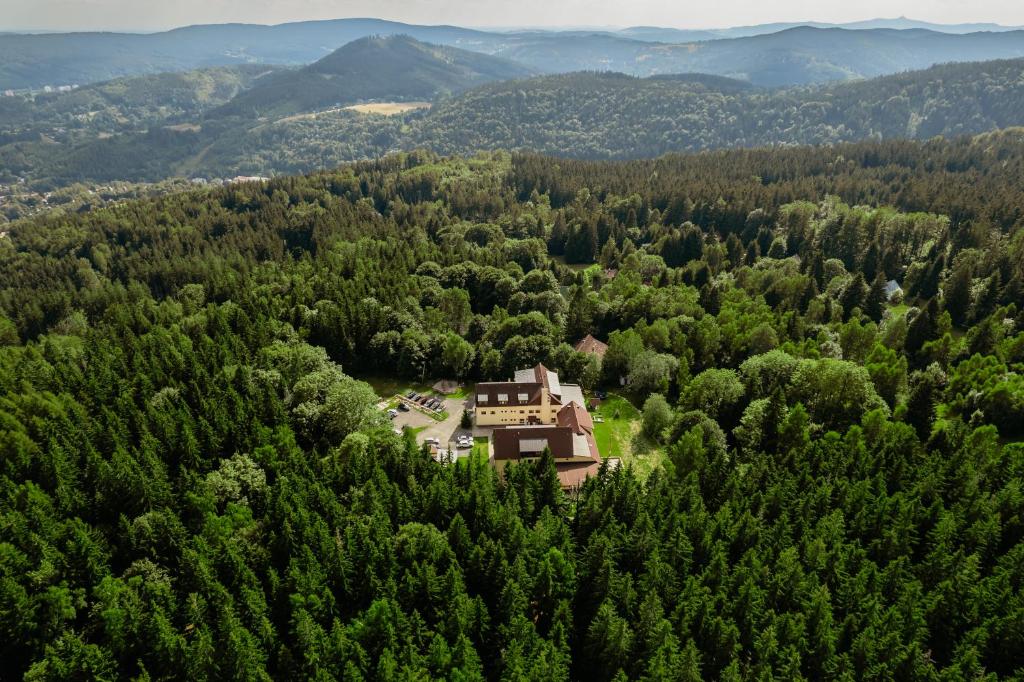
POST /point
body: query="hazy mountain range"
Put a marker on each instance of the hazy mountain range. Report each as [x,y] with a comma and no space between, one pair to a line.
[261,120]
[774,54]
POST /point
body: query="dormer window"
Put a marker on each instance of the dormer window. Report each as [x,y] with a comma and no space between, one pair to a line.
[481,398]
[523,397]
[503,397]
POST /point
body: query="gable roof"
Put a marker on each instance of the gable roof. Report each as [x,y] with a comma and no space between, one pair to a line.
[575,417]
[540,375]
[589,344]
[511,390]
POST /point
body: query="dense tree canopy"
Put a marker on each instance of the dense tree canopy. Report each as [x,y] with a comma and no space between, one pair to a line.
[196,482]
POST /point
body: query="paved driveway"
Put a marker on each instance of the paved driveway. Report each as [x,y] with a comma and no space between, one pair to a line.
[445,431]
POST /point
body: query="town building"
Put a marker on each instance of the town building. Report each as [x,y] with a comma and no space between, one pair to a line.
[534,412]
[534,396]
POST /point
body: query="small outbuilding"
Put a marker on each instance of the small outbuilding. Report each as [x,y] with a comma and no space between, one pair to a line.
[893,290]
[591,346]
[446,386]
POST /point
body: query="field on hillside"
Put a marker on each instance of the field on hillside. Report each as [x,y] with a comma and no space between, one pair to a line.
[388,108]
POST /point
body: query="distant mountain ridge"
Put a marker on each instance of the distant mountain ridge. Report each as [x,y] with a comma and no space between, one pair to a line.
[765,55]
[614,116]
[898,23]
[396,68]
[594,115]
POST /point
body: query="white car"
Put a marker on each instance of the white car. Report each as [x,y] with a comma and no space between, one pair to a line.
[463,443]
[432,441]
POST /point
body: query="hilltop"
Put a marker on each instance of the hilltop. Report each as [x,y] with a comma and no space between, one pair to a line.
[376,68]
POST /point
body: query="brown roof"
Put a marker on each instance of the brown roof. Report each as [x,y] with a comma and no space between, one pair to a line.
[511,390]
[591,345]
[512,443]
[572,474]
[541,372]
[574,416]
[509,441]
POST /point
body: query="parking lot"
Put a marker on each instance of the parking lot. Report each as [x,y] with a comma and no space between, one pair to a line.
[446,431]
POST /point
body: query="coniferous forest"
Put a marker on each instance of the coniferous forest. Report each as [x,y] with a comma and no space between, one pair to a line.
[196,483]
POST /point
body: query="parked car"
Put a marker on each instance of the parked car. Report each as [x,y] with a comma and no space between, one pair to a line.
[463,443]
[392,413]
[402,407]
[410,394]
[432,441]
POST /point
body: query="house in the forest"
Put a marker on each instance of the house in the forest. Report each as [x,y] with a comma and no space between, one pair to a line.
[534,396]
[570,440]
[536,411]
[591,346]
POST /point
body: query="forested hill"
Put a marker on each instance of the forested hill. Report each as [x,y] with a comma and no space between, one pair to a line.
[395,68]
[616,116]
[193,485]
[125,103]
[582,115]
[774,55]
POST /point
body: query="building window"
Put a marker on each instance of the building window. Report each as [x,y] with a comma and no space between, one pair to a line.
[523,397]
[481,398]
[503,397]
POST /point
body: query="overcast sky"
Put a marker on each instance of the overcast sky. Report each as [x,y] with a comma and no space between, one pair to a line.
[163,14]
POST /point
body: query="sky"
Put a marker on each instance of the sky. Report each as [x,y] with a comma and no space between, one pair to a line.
[151,15]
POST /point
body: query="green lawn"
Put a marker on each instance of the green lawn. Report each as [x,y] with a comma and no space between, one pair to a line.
[620,436]
[479,455]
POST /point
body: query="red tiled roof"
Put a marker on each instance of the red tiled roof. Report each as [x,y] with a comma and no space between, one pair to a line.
[541,372]
[591,345]
[574,416]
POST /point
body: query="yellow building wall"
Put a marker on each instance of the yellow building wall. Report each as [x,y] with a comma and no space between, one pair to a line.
[505,415]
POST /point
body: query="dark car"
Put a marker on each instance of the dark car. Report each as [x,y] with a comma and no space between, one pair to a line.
[402,407]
